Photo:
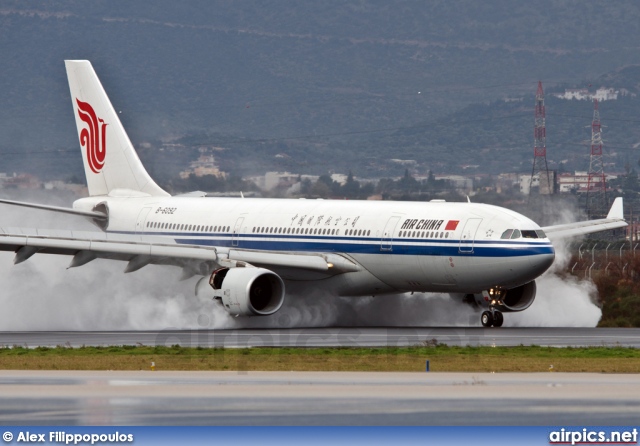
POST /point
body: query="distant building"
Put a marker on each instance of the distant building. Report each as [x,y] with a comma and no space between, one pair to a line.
[288,180]
[605,94]
[339,178]
[583,94]
[578,181]
[19,181]
[404,162]
[459,182]
[77,189]
[544,187]
[204,165]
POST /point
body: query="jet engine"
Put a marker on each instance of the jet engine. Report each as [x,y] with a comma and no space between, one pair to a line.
[248,291]
[519,298]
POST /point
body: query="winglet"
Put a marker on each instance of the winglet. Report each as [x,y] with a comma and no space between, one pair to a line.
[617,211]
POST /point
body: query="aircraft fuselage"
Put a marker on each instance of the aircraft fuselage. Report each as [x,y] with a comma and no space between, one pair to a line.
[402,246]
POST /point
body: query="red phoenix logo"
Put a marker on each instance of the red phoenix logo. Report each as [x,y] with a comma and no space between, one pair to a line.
[94,137]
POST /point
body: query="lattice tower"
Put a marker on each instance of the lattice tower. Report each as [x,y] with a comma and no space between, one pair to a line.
[540,167]
[597,203]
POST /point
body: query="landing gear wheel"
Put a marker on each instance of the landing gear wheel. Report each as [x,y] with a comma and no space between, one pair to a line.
[498,319]
[486,319]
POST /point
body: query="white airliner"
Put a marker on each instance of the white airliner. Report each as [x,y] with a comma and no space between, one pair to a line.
[248,249]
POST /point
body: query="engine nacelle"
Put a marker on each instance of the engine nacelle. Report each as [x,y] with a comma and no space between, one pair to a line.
[512,300]
[518,299]
[248,291]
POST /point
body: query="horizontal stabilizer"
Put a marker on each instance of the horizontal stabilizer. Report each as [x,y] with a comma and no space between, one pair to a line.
[44,207]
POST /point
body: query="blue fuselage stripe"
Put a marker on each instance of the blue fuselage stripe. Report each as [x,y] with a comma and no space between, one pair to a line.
[363,245]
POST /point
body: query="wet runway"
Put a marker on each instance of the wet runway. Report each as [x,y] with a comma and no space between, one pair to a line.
[316,398]
[335,337]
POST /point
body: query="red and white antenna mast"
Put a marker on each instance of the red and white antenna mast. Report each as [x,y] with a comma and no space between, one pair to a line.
[540,168]
[597,182]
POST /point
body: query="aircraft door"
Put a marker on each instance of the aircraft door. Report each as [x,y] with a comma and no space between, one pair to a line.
[235,238]
[467,240]
[140,222]
[386,243]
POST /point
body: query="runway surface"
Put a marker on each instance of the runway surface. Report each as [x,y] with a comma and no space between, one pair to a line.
[316,398]
[335,337]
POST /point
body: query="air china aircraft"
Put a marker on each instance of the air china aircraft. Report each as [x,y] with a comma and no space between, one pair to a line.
[247,250]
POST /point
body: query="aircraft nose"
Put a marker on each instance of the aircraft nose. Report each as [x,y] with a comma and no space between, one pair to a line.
[541,262]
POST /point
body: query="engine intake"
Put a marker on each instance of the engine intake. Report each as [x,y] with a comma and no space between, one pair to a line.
[248,291]
[519,298]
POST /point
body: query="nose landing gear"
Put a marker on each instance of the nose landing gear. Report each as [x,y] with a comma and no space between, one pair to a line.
[493,318]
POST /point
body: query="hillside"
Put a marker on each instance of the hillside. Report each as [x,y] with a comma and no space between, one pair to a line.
[331,84]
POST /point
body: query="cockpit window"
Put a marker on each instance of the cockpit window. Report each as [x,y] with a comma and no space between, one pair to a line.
[525,233]
[506,234]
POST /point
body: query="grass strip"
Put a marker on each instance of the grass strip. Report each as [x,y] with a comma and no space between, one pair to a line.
[441,358]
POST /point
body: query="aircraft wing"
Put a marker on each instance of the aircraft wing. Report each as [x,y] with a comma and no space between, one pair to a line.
[614,220]
[140,251]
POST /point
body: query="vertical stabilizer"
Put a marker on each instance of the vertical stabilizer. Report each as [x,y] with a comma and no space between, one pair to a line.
[110,162]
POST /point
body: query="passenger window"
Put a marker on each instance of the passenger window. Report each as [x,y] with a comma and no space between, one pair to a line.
[516,234]
[506,234]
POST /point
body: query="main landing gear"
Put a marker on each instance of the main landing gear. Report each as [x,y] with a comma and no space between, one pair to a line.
[492,318]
